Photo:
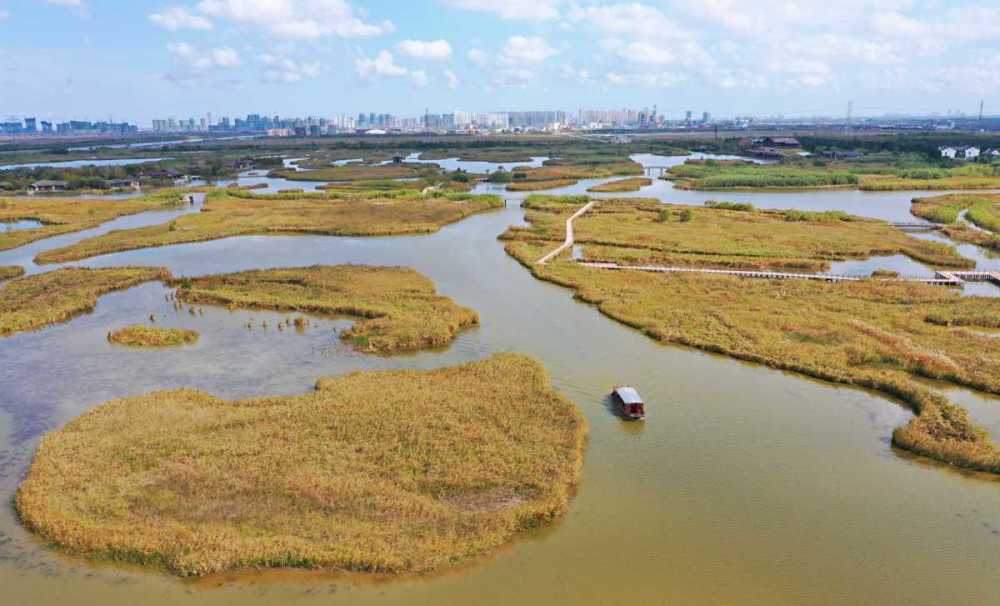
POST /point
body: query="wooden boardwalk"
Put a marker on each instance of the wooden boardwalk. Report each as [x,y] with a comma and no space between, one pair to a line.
[941,278]
[569,234]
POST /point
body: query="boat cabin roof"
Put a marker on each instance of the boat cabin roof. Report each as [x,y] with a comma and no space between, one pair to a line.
[628,395]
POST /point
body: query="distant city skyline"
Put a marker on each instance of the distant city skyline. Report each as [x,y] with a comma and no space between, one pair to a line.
[120,61]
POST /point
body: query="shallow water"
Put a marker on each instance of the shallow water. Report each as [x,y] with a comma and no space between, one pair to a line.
[81,163]
[744,486]
[20,225]
[274,185]
[476,166]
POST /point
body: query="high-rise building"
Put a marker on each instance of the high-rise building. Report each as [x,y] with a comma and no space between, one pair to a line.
[706,117]
[30,125]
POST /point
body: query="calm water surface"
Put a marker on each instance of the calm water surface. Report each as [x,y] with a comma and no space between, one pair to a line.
[82,163]
[744,486]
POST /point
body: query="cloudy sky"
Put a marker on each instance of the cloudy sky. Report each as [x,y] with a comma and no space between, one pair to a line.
[134,60]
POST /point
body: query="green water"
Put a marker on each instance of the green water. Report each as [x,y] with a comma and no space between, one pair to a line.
[744,486]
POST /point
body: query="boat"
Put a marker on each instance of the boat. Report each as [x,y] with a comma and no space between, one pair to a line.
[629,402]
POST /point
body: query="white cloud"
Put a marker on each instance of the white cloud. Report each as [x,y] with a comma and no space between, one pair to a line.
[197,66]
[451,78]
[434,50]
[534,10]
[73,3]
[174,18]
[628,20]
[658,79]
[283,69]
[296,18]
[802,72]
[525,49]
[4,15]
[385,66]
[479,58]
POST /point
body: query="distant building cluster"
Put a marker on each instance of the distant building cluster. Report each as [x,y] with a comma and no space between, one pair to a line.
[34,127]
[457,121]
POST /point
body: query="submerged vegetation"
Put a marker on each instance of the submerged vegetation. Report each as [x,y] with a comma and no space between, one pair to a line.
[61,216]
[872,334]
[622,185]
[229,213]
[138,335]
[387,472]
[397,308]
[40,300]
[723,235]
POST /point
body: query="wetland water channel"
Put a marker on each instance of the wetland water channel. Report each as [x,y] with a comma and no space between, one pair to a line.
[744,486]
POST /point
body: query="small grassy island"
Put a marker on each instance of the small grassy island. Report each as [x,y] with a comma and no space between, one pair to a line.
[10,271]
[138,335]
[385,472]
[982,211]
[723,235]
[622,185]
[397,309]
[872,334]
[359,171]
[66,215]
[792,174]
[40,300]
[229,213]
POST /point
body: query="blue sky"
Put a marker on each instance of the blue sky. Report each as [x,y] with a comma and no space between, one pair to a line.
[136,61]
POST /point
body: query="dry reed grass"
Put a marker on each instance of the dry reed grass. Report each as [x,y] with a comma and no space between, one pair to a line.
[138,335]
[66,215]
[36,301]
[397,309]
[230,213]
[10,271]
[387,472]
[636,230]
[631,184]
[540,185]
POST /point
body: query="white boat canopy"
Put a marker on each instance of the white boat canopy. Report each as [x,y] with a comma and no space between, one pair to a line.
[629,395]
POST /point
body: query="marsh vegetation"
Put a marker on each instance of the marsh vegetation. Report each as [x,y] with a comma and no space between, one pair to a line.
[387,472]
[872,334]
[10,271]
[723,235]
[39,300]
[61,215]
[138,335]
[790,174]
[622,185]
[397,309]
[229,213]
[981,210]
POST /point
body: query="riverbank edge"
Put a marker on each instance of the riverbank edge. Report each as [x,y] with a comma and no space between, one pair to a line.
[915,437]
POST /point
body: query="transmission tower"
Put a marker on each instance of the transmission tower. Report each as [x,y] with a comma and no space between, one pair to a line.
[850,114]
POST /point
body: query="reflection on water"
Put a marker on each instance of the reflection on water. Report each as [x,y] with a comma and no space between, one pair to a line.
[744,486]
[901,264]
